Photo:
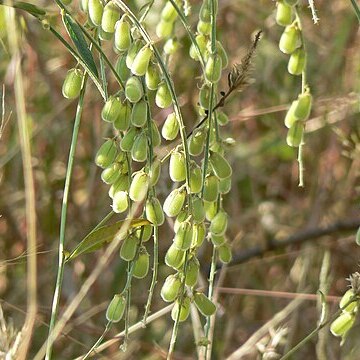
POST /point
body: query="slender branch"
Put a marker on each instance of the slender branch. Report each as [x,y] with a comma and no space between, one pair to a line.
[356,8]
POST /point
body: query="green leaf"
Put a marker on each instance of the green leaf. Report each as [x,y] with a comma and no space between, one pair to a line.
[102,236]
[79,41]
[30,8]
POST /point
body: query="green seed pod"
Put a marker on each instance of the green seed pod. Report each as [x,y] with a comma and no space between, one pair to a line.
[110,16]
[184,310]
[84,5]
[72,84]
[303,108]
[295,134]
[120,202]
[141,61]
[195,179]
[204,96]
[284,13]
[122,122]
[139,113]
[156,137]
[210,209]
[121,68]
[225,255]
[225,185]
[133,51]
[127,141]
[139,186]
[196,142]
[128,248]
[183,237]
[111,173]
[122,38]
[204,27]
[139,151]
[221,51]
[290,118]
[121,184]
[211,188]
[144,231]
[174,257]
[202,43]
[164,28]
[170,128]
[183,215]
[154,211]
[171,287]
[222,118]
[192,271]
[198,210]
[204,304]
[297,62]
[290,39]
[96,10]
[115,310]
[213,68]
[111,109]
[171,46]
[152,77]
[154,172]
[205,12]
[352,307]
[218,240]
[174,202]
[141,266]
[163,97]
[168,13]
[133,89]
[106,154]
[219,223]
[177,167]
[342,324]
[221,167]
[199,233]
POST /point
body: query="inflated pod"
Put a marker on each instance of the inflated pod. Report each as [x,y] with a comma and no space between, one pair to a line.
[155,133]
[111,173]
[141,266]
[164,29]
[170,288]
[121,68]
[95,9]
[154,172]
[341,325]
[121,184]
[220,165]
[133,89]
[106,154]
[204,304]
[144,232]
[154,211]
[111,109]
[133,51]
[72,84]
[290,39]
[181,310]
[199,233]
[139,113]
[120,202]
[211,188]
[122,38]
[192,271]
[163,97]
[210,209]
[127,141]
[183,236]
[204,27]
[139,186]
[152,77]
[139,150]
[141,61]
[225,255]
[221,51]
[297,62]
[170,129]
[116,309]
[201,41]
[195,179]
[174,257]
[174,202]
[110,16]
[122,122]
[198,210]
[284,13]
[204,96]
[213,68]
[221,118]
[129,247]
[197,141]
[295,133]
[168,12]
[177,167]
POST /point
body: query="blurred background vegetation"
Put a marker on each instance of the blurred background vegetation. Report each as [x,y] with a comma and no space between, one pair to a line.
[265,204]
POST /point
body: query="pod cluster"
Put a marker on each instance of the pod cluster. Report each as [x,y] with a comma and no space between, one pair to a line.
[291,43]
[344,322]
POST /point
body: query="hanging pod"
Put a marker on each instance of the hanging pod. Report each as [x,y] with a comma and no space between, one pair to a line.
[155,133]
[152,77]
[141,61]
[154,172]
[220,165]
[127,141]
[211,188]
[341,325]
[221,51]
[174,257]
[106,154]
[213,68]
[183,236]
[204,27]
[72,84]
[170,129]
[122,38]
[225,255]
[201,41]
[111,109]
[295,133]
[168,12]
[174,202]
[122,121]
[181,310]
[192,271]
[128,248]
[110,16]
[96,9]
[115,310]
[133,89]
[144,232]
[170,288]
[139,113]
[196,142]
[164,28]
[219,223]
[195,179]
[284,13]
[222,118]
[204,304]
[199,233]
[198,209]
[297,62]
[290,39]
[183,215]
[217,240]
[171,45]
[210,209]
[154,211]
[120,202]
[133,51]
[121,184]
[163,97]
[139,186]
[353,306]
[122,70]
[177,166]
[141,266]
[303,108]
[204,96]
[111,173]
[225,185]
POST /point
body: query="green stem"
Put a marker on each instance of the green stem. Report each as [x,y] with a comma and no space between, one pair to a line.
[61,261]
[98,342]
[356,8]
[103,72]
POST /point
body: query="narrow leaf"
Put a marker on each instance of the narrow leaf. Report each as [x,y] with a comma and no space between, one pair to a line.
[102,236]
[29,8]
[79,41]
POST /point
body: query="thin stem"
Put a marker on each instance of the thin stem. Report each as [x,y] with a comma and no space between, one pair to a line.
[356,8]
[103,72]
[61,261]
[98,342]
